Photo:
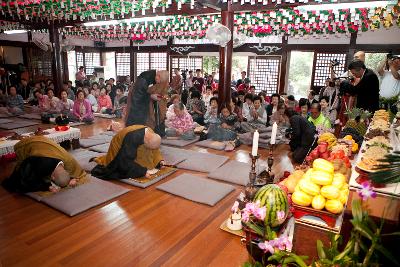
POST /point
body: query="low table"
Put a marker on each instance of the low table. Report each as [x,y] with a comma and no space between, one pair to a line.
[72,135]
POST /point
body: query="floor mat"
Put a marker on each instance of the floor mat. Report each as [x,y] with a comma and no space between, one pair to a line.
[178,142]
[5,121]
[197,189]
[32,116]
[202,162]
[17,124]
[212,144]
[234,172]
[100,148]
[83,156]
[83,197]
[145,182]
[105,116]
[109,133]
[88,142]
[173,155]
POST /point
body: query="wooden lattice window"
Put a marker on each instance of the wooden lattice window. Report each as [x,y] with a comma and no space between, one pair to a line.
[142,62]
[150,61]
[123,61]
[264,73]
[158,61]
[321,66]
[40,64]
[79,59]
[91,60]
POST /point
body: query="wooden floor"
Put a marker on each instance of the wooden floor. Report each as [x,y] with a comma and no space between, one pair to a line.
[145,227]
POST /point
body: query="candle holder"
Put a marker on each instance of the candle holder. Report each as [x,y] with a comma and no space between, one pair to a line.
[270,162]
[251,190]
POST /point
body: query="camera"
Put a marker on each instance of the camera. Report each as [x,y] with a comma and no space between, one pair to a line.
[335,63]
[289,133]
[390,56]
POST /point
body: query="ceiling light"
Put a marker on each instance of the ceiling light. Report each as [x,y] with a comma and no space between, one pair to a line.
[101,23]
[132,20]
[144,19]
[15,31]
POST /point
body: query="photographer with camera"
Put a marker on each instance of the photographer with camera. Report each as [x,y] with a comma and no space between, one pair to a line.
[301,134]
[365,86]
[389,70]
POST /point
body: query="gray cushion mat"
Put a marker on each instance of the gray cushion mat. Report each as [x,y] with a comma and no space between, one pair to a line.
[196,188]
[173,156]
[179,142]
[100,148]
[105,137]
[234,172]
[72,124]
[83,156]
[88,142]
[110,133]
[105,116]
[212,144]
[5,121]
[81,198]
[138,183]
[32,116]
[17,124]
[202,162]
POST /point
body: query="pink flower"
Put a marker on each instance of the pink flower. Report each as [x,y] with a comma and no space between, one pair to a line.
[366,191]
[280,215]
[235,207]
[260,213]
[245,216]
[266,247]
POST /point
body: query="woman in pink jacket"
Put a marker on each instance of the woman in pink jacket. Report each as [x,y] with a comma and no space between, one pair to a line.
[82,110]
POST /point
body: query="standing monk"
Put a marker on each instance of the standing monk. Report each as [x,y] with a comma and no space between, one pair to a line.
[42,165]
[139,99]
[158,103]
[134,152]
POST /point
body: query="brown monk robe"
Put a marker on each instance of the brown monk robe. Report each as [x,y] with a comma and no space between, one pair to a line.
[158,103]
[41,162]
[132,153]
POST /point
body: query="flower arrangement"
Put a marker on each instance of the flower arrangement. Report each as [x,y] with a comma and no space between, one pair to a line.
[364,248]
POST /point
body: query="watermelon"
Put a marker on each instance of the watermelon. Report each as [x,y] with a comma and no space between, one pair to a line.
[276,202]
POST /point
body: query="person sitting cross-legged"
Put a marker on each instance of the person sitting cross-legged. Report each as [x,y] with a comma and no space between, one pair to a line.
[82,111]
[14,103]
[42,165]
[134,152]
[65,105]
[196,107]
[179,123]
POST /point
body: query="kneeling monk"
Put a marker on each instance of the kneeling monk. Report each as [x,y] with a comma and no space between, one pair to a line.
[42,165]
[134,152]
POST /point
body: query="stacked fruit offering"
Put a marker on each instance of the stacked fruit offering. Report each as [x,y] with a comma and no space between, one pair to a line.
[321,187]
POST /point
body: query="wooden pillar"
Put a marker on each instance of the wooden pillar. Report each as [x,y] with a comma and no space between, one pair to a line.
[133,65]
[352,48]
[284,65]
[225,60]
[55,57]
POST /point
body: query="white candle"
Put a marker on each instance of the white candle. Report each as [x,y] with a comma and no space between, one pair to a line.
[273,134]
[254,150]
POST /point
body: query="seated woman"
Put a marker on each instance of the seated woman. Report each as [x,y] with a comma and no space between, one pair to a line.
[257,117]
[211,116]
[247,105]
[225,129]
[273,107]
[279,117]
[207,95]
[43,101]
[329,113]
[82,111]
[92,99]
[104,102]
[118,103]
[65,105]
[196,107]
[179,123]
[134,152]
[42,165]
[304,107]
[52,102]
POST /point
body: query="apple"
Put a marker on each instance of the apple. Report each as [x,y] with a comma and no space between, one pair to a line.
[314,154]
[322,147]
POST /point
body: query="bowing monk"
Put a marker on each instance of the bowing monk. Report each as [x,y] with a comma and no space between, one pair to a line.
[42,165]
[134,152]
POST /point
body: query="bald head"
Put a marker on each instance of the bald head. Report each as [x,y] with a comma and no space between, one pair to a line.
[152,140]
[60,176]
[360,55]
